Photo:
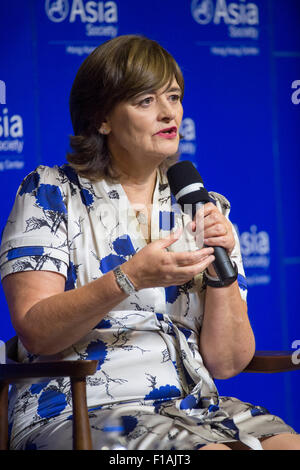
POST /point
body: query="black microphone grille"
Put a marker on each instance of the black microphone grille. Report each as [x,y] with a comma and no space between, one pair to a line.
[182,174]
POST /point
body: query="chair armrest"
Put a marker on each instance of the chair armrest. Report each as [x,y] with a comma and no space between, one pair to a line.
[272,361]
[15,372]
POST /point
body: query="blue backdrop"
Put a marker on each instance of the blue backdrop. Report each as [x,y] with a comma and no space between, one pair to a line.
[241,62]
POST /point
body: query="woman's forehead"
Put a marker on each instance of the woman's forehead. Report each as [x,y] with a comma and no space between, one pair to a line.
[171,86]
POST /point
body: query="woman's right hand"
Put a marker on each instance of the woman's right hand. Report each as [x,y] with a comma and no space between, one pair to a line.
[154,266]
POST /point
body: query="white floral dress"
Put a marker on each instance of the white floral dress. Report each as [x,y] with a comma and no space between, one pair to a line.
[150,373]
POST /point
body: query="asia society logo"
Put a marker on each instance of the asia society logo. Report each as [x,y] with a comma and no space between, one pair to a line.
[188,131]
[296,94]
[57,10]
[2,92]
[231,13]
[256,253]
[11,136]
[86,12]
[202,11]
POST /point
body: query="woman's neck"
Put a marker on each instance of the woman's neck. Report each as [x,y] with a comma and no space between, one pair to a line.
[138,181]
[139,189]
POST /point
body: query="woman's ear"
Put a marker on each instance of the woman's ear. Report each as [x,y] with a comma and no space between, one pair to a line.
[104,128]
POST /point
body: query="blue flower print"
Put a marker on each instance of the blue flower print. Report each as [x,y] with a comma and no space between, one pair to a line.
[110,262]
[212,408]
[30,183]
[51,403]
[129,423]
[163,392]
[35,389]
[70,174]
[86,197]
[104,324]
[123,246]
[97,350]
[188,402]
[187,333]
[71,277]
[258,410]
[242,282]
[229,423]
[49,197]
[172,293]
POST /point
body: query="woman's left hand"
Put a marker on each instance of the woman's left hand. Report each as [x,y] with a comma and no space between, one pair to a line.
[212,228]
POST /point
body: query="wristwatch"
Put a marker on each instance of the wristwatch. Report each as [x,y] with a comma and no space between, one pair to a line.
[123,281]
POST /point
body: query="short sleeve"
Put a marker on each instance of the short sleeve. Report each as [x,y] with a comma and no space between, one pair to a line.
[235,256]
[35,236]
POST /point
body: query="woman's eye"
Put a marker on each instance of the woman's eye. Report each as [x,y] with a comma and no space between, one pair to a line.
[175,98]
[146,101]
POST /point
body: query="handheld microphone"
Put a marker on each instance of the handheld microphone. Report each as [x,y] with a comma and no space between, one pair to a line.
[188,189]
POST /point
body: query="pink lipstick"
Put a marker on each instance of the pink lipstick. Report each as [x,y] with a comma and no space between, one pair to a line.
[168,133]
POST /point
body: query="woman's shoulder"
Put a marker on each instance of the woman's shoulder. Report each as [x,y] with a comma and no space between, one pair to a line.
[47,175]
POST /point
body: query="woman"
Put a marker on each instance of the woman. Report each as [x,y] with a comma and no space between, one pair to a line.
[98,262]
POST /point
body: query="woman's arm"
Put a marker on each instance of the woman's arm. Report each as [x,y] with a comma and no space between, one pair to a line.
[227,341]
[48,320]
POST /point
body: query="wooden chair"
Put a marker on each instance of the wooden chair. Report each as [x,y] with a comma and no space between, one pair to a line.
[14,372]
[272,361]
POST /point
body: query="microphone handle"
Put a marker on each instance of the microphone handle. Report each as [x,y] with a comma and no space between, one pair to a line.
[223,266]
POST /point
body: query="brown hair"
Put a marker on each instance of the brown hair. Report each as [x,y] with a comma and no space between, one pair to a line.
[115,71]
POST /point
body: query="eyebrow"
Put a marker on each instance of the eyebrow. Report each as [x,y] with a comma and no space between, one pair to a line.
[153,92]
[174,88]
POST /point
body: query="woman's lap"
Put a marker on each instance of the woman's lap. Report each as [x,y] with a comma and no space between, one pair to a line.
[143,429]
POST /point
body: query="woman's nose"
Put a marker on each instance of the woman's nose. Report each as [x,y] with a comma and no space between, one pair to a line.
[166,112]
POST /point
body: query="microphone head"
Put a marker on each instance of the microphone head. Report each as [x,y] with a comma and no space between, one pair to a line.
[186,184]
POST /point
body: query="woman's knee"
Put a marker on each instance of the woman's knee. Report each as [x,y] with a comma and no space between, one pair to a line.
[215,447]
[284,441]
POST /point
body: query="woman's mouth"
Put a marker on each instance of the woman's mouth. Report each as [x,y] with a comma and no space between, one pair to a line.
[168,133]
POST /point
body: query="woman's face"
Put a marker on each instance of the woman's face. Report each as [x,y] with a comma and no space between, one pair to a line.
[146,126]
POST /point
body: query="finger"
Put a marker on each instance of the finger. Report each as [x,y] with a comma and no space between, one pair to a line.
[190,258]
[208,208]
[217,230]
[213,224]
[205,264]
[213,218]
[215,241]
[199,220]
[197,232]
[224,242]
[172,238]
[192,271]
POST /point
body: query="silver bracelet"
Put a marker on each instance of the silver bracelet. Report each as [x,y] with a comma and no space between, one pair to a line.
[211,278]
[123,281]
